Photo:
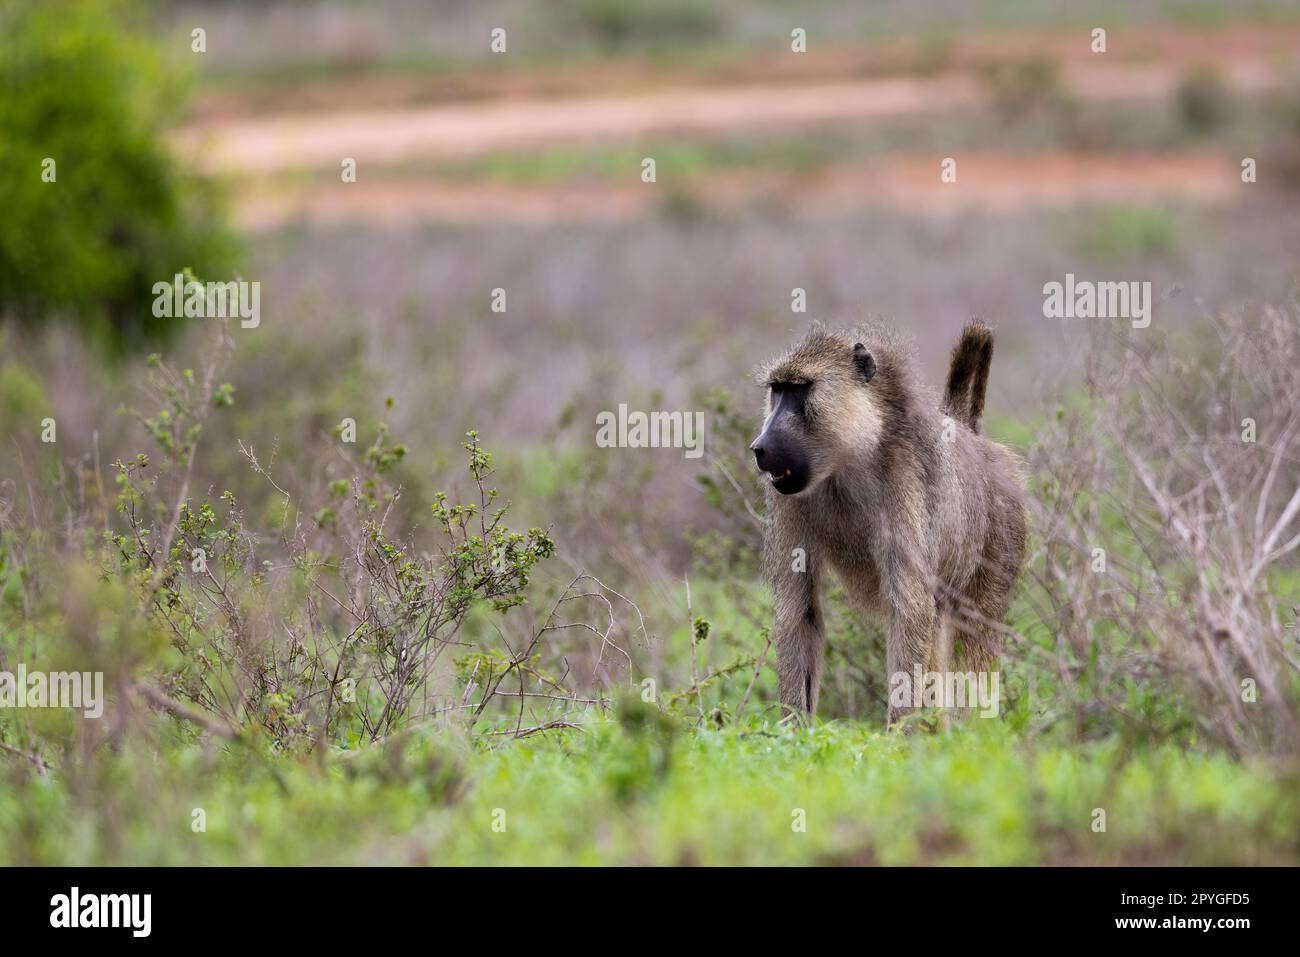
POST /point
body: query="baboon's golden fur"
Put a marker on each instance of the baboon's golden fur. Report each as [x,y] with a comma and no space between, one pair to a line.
[919,515]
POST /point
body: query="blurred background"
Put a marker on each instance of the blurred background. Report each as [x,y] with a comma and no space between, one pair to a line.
[499,149]
[521,170]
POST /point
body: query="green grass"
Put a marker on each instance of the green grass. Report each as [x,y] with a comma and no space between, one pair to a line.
[640,790]
[1123,233]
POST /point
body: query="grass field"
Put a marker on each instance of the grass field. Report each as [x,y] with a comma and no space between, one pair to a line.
[634,790]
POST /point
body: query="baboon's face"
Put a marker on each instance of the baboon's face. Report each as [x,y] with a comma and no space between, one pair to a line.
[822,414]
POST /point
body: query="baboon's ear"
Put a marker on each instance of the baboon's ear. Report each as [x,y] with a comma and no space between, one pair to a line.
[866,364]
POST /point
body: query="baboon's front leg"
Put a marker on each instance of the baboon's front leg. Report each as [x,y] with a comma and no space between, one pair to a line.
[798,635]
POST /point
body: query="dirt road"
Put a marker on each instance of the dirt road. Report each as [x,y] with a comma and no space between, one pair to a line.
[264,156]
[996,182]
[320,140]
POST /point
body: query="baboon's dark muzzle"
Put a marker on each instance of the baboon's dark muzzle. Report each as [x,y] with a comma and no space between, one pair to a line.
[782,460]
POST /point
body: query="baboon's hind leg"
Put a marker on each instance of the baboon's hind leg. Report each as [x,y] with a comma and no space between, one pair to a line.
[910,639]
[983,612]
[940,661]
[986,604]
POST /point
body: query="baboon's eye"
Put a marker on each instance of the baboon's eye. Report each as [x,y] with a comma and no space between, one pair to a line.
[790,396]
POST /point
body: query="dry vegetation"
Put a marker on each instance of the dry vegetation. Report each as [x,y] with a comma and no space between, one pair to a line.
[1181,464]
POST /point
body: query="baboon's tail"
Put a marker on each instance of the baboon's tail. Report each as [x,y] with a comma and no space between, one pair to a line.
[968,375]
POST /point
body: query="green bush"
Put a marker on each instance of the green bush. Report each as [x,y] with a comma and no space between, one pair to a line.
[1204,100]
[87,237]
[630,24]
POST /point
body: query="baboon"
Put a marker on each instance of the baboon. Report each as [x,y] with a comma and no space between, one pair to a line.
[918,514]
